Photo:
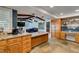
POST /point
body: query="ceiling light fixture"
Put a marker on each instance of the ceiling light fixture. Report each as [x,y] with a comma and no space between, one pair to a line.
[77,10]
[61,13]
[51,6]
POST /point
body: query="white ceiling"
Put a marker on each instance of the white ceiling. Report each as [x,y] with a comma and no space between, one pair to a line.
[46,10]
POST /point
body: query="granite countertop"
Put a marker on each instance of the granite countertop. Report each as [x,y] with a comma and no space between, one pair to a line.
[12,36]
[38,33]
[8,36]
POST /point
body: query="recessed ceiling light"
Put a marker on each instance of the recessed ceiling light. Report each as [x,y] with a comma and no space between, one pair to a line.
[77,10]
[51,6]
[61,13]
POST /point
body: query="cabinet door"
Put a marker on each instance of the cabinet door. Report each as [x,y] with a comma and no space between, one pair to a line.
[57,35]
[77,38]
[13,41]
[62,36]
[3,49]
[44,38]
[26,47]
[13,49]
[26,44]
[24,38]
[36,41]
[3,46]
[14,45]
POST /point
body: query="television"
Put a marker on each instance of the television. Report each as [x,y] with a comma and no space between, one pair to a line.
[20,24]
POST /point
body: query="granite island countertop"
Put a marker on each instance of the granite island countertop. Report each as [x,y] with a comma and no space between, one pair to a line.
[35,34]
[8,36]
[38,33]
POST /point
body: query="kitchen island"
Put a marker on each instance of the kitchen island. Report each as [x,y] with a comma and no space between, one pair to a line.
[21,43]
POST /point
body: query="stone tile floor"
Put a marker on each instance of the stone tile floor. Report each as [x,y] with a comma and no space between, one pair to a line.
[57,46]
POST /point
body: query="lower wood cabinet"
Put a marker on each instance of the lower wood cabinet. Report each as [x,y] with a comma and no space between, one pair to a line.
[39,39]
[77,37]
[57,35]
[13,48]
[26,44]
[14,45]
[3,46]
[20,44]
[62,36]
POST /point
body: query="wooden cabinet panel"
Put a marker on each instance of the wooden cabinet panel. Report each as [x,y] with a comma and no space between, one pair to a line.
[77,38]
[14,45]
[57,35]
[14,40]
[3,46]
[3,43]
[3,49]
[26,47]
[13,48]
[62,36]
[45,37]
[26,43]
[39,39]
[24,38]
[35,41]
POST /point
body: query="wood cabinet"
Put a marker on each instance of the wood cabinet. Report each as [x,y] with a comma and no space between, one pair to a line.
[62,36]
[39,39]
[77,37]
[26,43]
[13,48]
[3,46]
[57,35]
[20,44]
[14,45]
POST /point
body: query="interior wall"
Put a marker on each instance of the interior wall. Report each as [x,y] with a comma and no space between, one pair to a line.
[6,19]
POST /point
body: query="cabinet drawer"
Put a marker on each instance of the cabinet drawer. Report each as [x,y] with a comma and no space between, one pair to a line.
[14,40]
